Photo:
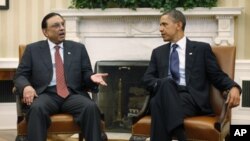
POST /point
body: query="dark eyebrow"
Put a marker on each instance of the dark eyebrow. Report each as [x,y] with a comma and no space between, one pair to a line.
[58,24]
[163,23]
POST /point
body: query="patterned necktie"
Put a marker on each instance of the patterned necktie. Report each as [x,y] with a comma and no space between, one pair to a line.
[61,87]
[174,64]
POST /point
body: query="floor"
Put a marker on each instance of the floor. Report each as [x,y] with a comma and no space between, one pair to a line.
[7,135]
[10,135]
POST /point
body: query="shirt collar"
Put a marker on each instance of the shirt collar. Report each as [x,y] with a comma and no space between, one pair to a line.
[52,45]
[181,43]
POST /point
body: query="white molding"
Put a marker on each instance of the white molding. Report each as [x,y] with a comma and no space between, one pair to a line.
[240,119]
[8,116]
[124,32]
[242,64]
[213,25]
[8,63]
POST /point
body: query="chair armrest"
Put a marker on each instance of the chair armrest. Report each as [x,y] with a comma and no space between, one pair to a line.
[143,111]
[223,119]
[18,102]
[20,106]
[224,116]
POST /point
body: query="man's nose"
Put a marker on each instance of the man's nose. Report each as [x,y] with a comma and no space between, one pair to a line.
[161,29]
[62,26]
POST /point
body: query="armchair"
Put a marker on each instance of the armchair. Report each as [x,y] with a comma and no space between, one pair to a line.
[211,128]
[60,123]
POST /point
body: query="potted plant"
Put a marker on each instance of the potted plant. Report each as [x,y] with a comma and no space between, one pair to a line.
[133,4]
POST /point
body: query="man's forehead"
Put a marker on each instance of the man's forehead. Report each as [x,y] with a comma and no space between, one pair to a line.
[55,19]
[166,18]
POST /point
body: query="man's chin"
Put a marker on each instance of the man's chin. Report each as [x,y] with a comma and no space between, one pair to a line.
[62,39]
[165,40]
[59,41]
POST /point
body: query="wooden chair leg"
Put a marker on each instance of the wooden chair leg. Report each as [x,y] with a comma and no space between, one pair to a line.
[227,138]
[81,136]
[104,136]
[21,138]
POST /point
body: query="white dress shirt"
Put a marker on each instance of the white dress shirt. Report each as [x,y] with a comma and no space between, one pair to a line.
[52,53]
[181,49]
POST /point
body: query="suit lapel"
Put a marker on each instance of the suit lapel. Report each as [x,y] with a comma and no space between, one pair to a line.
[67,56]
[167,50]
[190,55]
[45,54]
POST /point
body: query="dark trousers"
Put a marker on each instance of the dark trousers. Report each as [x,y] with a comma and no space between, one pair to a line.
[83,109]
[169,106]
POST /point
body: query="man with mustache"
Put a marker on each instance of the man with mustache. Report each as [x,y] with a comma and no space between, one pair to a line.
[51,77]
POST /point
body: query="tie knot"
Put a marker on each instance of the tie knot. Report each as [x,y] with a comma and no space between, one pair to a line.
[174,46]
[57,47]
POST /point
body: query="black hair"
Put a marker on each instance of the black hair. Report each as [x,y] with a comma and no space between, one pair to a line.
[177,16]
[44,21]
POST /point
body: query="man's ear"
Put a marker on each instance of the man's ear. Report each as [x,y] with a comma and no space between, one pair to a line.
[179,25]
[45,32]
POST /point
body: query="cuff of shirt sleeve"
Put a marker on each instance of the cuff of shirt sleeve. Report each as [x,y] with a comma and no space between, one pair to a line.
[237,86]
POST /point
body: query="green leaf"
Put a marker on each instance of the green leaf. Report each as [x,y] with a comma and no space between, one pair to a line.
[133,4]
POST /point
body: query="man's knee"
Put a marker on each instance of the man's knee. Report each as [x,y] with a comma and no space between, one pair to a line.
[92,106]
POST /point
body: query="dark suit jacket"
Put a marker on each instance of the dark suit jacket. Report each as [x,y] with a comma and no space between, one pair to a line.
[201,71]
[36,69]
